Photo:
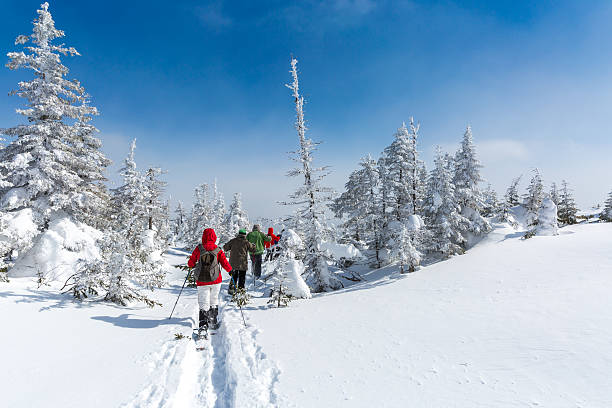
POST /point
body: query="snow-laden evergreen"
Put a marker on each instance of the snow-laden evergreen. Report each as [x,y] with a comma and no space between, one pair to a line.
[156,208]
[534,196]
[130,257]
[402,172]
[218,214]
[311,199]
[236,217]
[201,215]
[360,207]
[547,218]
[491,204]
[54,162]
[442,211]
[512,197]
[566,206]
[467,191]
[288,268]
[554,193]
[606,213]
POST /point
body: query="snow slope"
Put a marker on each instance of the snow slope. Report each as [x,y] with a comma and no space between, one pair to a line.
[60,353]
[513,323]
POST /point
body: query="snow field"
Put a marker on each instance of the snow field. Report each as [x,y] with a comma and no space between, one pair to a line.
[511,323]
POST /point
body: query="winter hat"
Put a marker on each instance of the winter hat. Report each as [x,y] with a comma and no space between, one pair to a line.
[242,231]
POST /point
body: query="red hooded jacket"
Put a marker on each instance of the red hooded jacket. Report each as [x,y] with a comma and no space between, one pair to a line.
[274,241]
[209,239]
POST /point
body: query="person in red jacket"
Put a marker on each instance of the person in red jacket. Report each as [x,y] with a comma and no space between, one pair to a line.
[270,244]
[209,284]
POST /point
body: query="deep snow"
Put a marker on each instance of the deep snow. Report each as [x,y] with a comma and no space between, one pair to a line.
[511,323]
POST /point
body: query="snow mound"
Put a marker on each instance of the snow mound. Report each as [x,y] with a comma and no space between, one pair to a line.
[18,230]
[293,283]
[547,219]
[338,251]
[56,252]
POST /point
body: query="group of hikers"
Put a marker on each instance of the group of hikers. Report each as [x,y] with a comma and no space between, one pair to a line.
[208,259]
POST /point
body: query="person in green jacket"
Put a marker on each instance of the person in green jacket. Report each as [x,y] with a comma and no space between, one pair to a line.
[257,238]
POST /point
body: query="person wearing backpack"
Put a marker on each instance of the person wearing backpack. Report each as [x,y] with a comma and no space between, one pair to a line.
[207,259]
[271,244]
[257,238]
[239,248]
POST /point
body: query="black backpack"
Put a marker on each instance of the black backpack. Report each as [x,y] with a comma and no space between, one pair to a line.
[207,269]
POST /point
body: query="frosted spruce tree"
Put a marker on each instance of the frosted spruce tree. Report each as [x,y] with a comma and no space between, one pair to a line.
[180,222]
[130,257]
[533,198]
[554,193]
[402,172]
[442,211]
[236,217]
[491,205]
[201,215]
[606,214]
[360,206]
[566,206]
[512,195]
[467,191]
[218,213]
[54,162]
[311,198]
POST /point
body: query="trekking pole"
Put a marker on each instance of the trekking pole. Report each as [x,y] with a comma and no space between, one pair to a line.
[179,295]
[240,306]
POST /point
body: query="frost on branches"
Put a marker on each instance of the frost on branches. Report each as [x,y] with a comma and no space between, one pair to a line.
[442,211]
[131,251]
[533,198]
[566,206]
[467,193]
[53,169]
[54,163]
[311,198]
[402,172]
[287,279]
[236,217]
[360,207]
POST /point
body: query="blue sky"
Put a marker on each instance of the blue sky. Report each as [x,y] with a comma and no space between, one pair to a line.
[201,85]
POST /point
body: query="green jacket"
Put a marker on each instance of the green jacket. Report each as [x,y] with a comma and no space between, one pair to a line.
[258,238]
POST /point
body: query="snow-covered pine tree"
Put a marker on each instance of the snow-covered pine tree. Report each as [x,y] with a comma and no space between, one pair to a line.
[533,198]
[236,217]
[128,257]
[402,171]
[54,162]
[606,213]
[566,206]
[179,223]
[218,214]
[409,257]
[467,192]
[200,215]
[156,208]
[360,203]
[312,196]
[512,194]
[442,211]
[554,193]
[491,203]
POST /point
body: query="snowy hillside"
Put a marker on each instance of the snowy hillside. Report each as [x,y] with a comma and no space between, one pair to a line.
[511,323]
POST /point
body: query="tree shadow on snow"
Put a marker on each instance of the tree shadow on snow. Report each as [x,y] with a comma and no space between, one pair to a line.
[125,321]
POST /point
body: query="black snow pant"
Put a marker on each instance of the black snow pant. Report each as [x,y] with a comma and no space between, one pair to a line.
[256,261]
[238,277]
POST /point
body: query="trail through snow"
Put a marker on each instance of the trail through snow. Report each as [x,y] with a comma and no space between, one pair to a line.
[232,371]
